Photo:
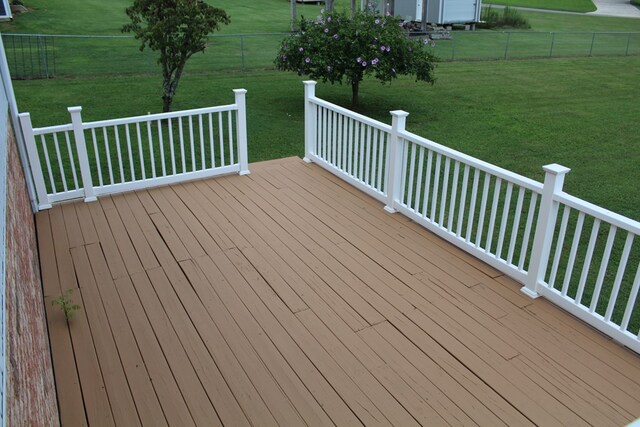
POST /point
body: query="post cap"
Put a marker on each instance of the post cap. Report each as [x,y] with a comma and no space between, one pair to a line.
[239,91]
[556,169]
[24,114]
[309,82]
[399,113]
[74,109]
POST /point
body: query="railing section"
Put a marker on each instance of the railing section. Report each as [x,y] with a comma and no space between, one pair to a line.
[582,257]
[93,158]
[347,142]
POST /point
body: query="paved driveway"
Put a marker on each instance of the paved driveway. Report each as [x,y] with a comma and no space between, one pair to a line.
[616,8]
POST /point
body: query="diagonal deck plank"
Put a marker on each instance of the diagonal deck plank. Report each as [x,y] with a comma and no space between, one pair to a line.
[288,297]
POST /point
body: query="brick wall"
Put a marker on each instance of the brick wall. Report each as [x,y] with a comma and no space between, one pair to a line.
[30,390]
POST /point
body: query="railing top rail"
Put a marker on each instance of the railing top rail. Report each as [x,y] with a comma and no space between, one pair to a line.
[602,214]
[505,174]
[371,122]
[158,116]
[52,129]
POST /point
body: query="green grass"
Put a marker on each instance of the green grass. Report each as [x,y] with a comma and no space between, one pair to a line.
[519,115]
[106,17]
[543,21]
[567,5]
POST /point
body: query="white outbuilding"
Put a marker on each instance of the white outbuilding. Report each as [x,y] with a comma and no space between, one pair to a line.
[438,11]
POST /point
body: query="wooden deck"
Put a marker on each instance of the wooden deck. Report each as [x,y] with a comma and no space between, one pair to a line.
[287,297]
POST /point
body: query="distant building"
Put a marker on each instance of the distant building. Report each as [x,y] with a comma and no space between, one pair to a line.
[438,11]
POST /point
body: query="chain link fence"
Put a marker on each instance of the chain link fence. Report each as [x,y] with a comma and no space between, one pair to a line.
[34,56]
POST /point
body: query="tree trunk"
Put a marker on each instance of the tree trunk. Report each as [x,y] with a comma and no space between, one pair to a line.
[353,8]
[328,5]
[355,86]
[170,81]
[423,19]
[294,14]
[166,103]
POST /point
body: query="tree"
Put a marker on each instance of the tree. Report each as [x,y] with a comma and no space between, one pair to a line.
[177,29]
[335,48]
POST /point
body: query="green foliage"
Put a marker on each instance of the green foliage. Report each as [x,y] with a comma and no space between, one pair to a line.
[509,18]
[66,304]
[336,48]
[177,29]
[635,2]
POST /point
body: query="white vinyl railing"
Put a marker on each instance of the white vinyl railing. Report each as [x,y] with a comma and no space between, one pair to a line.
[505,219]
[85,160]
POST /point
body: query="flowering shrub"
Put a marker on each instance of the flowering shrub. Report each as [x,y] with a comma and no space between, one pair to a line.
[335,47]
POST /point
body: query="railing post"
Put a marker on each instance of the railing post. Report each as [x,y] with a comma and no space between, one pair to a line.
[83,157]
[34,161]
[394,171]
[540,253]
[310,117]
[241,129]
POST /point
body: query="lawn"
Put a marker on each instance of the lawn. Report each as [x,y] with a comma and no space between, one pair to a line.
[567,5]
[106,17]
[519,115]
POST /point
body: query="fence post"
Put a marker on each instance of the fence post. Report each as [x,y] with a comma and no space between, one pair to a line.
[241,129]
[626,53]
[242,51]
[547,214]
[310,126]
[453,48]
[593,40]
[394,171]
[34,161]
[506,47]
[83,157]
[553,41]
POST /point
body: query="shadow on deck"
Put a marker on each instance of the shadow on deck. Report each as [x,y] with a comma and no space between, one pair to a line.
[287,297]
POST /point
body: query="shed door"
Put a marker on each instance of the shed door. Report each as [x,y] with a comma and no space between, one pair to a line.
[459,10]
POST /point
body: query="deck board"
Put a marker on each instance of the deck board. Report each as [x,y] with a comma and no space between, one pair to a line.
[288,297]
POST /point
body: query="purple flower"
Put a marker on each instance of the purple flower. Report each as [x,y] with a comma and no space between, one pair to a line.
[326,30]
[375,61]
[364,63]
[335,36]
[301,49]
[307,60]
[425,41]
[377,21]
[383,48]
[328,19]
[402,24]
[358,59]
